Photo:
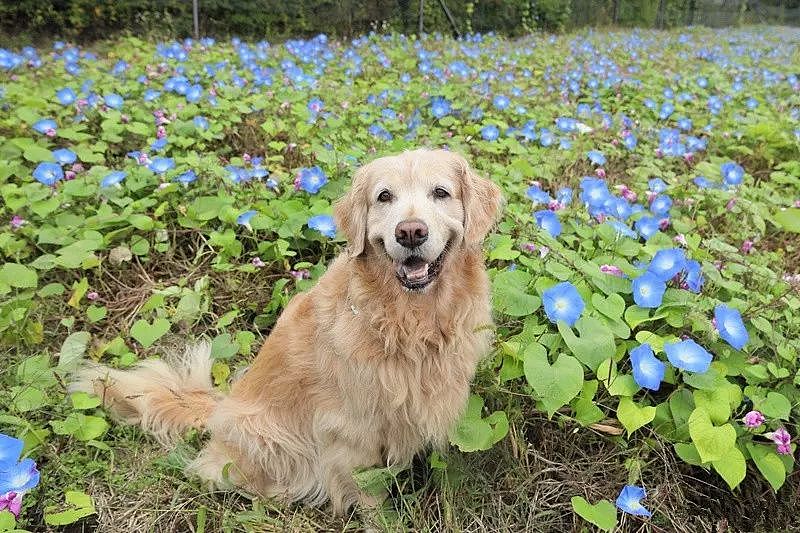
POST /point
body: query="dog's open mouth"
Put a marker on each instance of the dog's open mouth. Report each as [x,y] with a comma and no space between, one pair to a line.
[415,273]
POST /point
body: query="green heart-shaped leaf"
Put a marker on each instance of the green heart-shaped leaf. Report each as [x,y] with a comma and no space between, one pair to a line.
[612,306]
[769,464]
[473,433]
[602,514]
[555,384]
[146,334]
[712,442]
[509,295]
[732,467]
[775,405]
[633,416]
[595,345]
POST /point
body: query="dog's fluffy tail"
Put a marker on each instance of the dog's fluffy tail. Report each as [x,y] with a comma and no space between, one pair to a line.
[165,398]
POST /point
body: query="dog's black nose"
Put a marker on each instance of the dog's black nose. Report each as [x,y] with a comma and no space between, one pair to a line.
[411,233]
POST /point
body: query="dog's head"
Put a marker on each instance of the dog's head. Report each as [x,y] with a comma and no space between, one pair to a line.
[414,208]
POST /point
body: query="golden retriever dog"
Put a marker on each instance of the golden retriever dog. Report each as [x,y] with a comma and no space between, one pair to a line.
[368,368]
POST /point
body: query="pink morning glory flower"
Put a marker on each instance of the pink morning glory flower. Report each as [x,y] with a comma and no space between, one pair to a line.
[782,440]
[753,419]
[612,270]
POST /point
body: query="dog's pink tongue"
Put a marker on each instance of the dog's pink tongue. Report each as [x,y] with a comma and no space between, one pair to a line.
[415,272]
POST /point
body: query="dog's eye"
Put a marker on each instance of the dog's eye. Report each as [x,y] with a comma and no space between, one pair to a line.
[385,196]
[440,193]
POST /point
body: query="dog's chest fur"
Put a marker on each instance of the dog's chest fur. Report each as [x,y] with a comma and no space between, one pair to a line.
[403,363]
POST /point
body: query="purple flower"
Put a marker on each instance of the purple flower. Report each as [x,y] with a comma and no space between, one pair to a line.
[257,262]
[782,440]
[753,419]
[612,270]
[17,222]
[11,501]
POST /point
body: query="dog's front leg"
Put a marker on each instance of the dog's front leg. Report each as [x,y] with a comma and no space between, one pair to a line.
[339,459]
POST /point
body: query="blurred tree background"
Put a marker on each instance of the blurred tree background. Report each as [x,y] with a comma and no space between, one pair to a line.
[90,20]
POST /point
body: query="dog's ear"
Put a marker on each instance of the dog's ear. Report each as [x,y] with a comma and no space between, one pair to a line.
[350,213]
[482,201]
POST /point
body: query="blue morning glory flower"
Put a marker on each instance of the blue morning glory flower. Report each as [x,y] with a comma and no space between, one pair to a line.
[10,450]
[440,107]
[20,477]
[315,105]
[45,125]
[501,102]
[159,165]
[657,185]
[564,195]
[200,122]
[621,228]
[563,302]
[629,501]
[647,226]
[158,144]
[244,218]
[630,141]
[648,290]
[66,96]
[594,192]
[546,137]
[548,221]
[730,326]
[113,178]
[187,177]
[732,174]
[566,125]
[648,370]
[694,276]
[667,108]
[661,205]
[323,224]
[537,194]
[688,355]
[194,93]
[667,263]
[150,95]
[48,173]
[113,100]
[490,132]
[703,182]
[310,179]
[596,157]
[64,156]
